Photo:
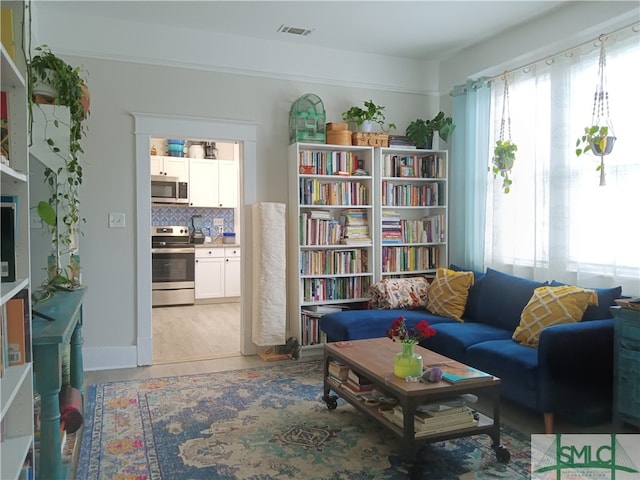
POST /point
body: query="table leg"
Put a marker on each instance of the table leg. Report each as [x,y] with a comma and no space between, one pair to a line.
[75,357]
[48,380]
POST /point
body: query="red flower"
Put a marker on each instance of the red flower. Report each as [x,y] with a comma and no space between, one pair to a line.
[415,334]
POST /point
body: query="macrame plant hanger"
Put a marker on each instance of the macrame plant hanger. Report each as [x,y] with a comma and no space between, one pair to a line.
[504,152]
[600,116]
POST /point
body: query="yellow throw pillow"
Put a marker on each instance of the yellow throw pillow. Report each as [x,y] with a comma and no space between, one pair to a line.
[447,295]
[552,306]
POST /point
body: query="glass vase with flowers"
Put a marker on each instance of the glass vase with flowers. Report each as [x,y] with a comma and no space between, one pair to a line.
[408,363]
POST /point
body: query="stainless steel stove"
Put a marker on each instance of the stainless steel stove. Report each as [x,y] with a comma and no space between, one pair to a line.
[172,266]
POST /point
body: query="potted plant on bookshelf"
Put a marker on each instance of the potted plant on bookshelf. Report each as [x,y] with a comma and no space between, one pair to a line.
[53,81]
[420,132]
[599,137]
[365,118]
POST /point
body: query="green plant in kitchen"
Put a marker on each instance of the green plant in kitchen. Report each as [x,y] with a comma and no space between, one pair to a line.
[53,81]
[420,132]
[371,113]
[504,155]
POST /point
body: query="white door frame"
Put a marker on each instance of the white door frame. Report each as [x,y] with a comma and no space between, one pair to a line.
[170,126]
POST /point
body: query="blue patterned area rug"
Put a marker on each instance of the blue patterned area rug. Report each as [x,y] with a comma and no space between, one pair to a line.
[261,424]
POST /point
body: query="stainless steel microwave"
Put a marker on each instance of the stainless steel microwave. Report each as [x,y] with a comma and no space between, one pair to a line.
[168,190]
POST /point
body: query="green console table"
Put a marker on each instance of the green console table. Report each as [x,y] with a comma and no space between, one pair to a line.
[48,342]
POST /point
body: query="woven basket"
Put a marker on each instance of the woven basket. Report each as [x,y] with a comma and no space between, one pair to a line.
[370,139]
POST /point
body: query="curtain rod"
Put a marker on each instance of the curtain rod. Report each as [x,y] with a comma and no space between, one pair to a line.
[634,27]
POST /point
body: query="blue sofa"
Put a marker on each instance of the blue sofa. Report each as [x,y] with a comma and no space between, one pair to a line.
[569,375]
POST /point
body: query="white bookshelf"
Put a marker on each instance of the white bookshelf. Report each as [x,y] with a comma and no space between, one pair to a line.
[16,384]
[413,240]
[323,272]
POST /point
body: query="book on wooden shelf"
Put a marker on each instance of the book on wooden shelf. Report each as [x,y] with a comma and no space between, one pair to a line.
[459,373]
[338,370]
[357,387]
[456,422]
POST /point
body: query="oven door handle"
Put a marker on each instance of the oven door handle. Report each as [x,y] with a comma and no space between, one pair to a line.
[173,250]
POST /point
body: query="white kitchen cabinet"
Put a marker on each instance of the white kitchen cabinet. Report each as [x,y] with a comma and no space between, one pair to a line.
[232,272]
[170,167]
[209,273]
[227,184]
[213,183]
[217,272]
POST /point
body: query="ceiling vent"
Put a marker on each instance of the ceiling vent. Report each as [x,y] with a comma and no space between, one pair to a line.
[294,30]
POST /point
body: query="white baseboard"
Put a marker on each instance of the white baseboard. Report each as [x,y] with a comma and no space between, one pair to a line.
[108,358]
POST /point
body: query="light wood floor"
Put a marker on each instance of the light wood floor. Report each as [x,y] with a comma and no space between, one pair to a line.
[195,332]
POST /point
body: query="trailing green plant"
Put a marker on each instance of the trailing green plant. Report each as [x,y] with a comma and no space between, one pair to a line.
[46,68]
[372,112]
[420,132]
[596,139]
[504,155]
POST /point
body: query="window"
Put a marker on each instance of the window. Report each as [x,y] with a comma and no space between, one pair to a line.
[557,222]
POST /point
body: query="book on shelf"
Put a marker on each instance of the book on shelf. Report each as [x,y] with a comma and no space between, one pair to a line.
[4,128]
[8,241]
[441,425]
[629,303]
[16,332]
[357,387]
[338,370]
[459,373]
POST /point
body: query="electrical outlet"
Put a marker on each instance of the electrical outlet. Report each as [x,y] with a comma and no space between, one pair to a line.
[218,222]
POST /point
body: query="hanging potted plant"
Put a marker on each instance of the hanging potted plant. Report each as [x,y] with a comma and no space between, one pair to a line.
[599,137]
[504,153]
[365,118]
[420,132]
[53,81]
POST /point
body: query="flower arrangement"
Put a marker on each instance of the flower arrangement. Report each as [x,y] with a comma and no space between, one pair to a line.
[415,334]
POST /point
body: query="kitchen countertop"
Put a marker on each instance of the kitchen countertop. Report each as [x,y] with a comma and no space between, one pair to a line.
[217,245]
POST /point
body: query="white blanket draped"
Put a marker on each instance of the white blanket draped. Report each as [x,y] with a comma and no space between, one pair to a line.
[269,273]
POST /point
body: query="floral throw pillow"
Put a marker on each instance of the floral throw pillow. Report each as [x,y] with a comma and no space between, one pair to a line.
[399,293]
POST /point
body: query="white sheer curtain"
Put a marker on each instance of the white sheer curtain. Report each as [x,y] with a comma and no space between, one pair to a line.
[557,223]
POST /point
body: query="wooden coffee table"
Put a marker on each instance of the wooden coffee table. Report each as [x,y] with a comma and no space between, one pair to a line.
[373,359]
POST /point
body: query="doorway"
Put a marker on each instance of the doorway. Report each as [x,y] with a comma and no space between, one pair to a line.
[146,127]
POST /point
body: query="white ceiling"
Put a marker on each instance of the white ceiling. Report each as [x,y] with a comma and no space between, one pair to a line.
[420,30]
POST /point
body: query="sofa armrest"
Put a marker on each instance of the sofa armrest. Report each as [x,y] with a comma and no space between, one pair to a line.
[575,357]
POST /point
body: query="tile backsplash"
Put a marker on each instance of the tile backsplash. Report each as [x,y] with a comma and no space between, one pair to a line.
[170,215]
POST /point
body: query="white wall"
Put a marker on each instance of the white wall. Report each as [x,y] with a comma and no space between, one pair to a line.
[119,88]
[265,97]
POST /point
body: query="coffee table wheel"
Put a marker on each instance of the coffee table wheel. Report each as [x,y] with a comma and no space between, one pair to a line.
[502,454]
[331,401]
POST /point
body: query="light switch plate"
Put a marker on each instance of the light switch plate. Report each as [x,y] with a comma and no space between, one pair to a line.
[218,222]
[116,220]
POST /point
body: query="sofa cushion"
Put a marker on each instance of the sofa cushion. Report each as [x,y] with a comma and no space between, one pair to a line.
[399,293]
[552,306]
[361,324]
[606,298]
[471,308]
[503,298]
[506,359]
[453,339]
[447,295]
